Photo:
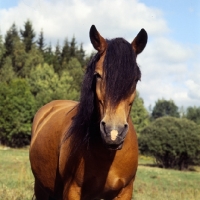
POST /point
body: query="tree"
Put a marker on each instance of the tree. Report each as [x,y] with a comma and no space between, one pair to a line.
[193,113]
[17,108]
[165,108]
[73,47]
[48,55]
[47,86]
[14,49]
[19,57]
[81,55]
[40,42]
[65,54]
[28,35]
[10,38]
[6,71]
[57,59]
[174,142]
[76,72]
[139,114]
[33,58]
[2,51]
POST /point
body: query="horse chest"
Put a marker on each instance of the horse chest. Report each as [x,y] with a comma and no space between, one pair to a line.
[101,178]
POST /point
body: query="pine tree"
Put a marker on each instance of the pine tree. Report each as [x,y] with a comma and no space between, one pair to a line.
[73,47]
[57,59]
[65,55]
[10,39]
[48,55]
[40,42]
[28,35]
[81,55]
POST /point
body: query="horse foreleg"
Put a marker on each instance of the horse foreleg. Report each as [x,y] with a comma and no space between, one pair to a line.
[40,194]
[72,193]
[126,193]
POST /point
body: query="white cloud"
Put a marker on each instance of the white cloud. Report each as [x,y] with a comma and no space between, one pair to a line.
[169,69]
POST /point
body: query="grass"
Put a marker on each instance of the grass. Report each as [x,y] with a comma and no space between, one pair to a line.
[16,180]
[152,183]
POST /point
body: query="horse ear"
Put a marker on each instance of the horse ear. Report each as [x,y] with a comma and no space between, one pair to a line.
[98,42]
[140,42]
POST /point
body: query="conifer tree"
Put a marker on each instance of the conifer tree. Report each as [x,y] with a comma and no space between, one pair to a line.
[40,42]
[81,55]
[65,55]
[57,59]
[73,47]
[10,39]
[48,55]
[28,35]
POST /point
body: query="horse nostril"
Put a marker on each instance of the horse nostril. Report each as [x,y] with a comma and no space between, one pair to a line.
[103,123]
[125,125]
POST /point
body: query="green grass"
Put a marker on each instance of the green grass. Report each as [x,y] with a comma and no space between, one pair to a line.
[16,180]
[152,183]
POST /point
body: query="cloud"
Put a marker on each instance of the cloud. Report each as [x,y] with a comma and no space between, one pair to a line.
[62,18]
[169,69]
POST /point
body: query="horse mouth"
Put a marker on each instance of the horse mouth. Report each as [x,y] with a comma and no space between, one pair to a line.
[115,146]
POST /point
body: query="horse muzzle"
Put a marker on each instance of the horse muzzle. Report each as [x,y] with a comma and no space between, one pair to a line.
[113,137]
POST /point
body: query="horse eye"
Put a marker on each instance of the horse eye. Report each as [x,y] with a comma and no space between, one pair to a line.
[97,75]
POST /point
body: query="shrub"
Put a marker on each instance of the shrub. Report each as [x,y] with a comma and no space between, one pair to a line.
[174,142]
[17,108]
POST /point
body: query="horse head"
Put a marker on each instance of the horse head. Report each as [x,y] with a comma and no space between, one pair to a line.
[116,74]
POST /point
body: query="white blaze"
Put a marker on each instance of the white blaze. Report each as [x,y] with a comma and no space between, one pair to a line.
[113,134]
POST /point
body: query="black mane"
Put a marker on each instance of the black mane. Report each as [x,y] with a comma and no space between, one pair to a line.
[120,69]
[121,74]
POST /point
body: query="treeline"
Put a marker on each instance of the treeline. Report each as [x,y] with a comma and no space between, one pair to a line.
[31,75]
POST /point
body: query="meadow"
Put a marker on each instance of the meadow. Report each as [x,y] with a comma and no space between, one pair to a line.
[152,183]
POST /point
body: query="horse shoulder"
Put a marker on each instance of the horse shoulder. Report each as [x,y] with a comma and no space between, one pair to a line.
[45,112]
[49,125]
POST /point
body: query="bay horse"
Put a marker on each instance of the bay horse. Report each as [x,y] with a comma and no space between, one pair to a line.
[88,150]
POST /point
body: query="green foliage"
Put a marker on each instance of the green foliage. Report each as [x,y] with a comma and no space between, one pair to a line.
[2,50]
[57,60]
[28,35]
[193,113]
[139,114]
[75,70]
[40,42]
[165,108]
[10,38]
[17,108]
[48,55]
[174,142]
[51,74]
[46,85]
[6,71]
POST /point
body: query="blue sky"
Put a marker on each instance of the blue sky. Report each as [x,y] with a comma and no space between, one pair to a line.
[8,4]
[183,17]
[170,63]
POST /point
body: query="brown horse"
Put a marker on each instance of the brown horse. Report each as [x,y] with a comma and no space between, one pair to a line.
[89,150]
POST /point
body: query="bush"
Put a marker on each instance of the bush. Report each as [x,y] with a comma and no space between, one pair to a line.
[174,142]
[17,108]
[165,108]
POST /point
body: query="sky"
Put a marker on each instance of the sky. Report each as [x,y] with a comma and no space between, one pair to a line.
[170,63]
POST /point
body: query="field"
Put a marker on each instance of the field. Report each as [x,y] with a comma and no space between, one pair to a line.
[152,183]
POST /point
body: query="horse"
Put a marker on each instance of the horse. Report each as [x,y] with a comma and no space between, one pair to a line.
[88,149]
